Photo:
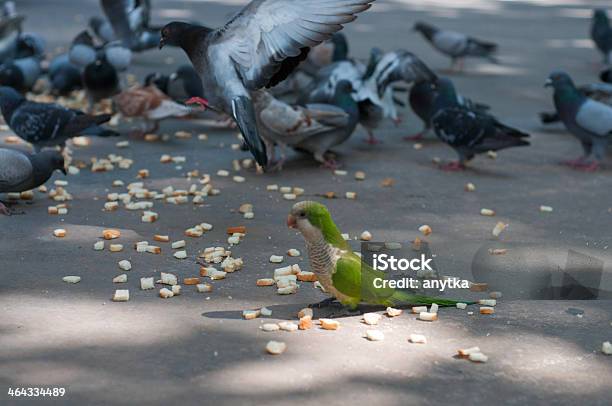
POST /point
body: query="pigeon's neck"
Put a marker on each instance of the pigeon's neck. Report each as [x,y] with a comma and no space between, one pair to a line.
[568,99]
[428,31]
[192,37]
[42,170]
[346,102]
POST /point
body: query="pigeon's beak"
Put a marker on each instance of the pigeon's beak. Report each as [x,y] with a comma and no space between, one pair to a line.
[291,223]
[162,42]
[548,83]
[63,170]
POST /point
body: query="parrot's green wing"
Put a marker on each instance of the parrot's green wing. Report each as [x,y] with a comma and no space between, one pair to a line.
[356,279]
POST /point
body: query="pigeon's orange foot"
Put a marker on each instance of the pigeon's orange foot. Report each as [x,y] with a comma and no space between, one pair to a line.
[414,137]
[588,167]
[203,103]
[453,166]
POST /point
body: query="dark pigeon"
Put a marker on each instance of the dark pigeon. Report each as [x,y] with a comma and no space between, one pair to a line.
[44,124]
[182,85]
[467,131]
[21,74]
[259,47]
[20,171]
[64,75]
[601,34]
[456,45]
[421,99]
[588,120]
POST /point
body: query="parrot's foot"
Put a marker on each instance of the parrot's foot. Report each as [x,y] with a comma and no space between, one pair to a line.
[414,137]
[323,303]
[588,166]
[453,166]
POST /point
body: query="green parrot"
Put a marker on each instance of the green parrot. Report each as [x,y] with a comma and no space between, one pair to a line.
[338,269]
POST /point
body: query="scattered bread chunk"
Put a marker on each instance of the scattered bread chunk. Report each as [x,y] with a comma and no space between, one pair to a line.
[487,310]
[120,278]
[111,234]
[461,306]
[375,335]
[366,236]
[168,279]
[306,276]
[371,319]
[98,246]
[147,283]
[178,244]
[419,309]
[425,230]
[433,308]
[479,287]
[477,357]
[329,324]
[191,281]
[264,311]
[161,238]
[176,290]
[288,326]
[125,265]
[360,175]
[265,282]
[71,279]
[59,232]
[546,209]
[427,316]
[268,327]
[276,347]
[307,311]
[495,295]
[305,323]
[606,348]
[152,249]
[464,353]
[487,212]
[204,287]
[180,254]
[237,229]
[497,251]
[116,248]
[351,195]
[287,290]
[391,312]
[487,302]
[417,339]
[470,187]
[121,295]
[276,259]
[499,227]
[293,252]
[250,314]
[165,293]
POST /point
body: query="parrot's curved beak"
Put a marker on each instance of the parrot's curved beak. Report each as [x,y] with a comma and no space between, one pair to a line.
[291,223]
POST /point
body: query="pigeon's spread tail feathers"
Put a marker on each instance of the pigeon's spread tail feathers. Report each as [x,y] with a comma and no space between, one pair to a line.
[244,115]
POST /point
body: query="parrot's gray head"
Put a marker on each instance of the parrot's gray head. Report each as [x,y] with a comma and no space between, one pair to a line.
[308,217]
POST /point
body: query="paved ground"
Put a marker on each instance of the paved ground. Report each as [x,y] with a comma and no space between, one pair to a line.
[195,349]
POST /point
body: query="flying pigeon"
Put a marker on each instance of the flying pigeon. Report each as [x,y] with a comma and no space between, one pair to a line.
[259,47]
[588,120]
[20,171]
[181,85]
[601,34]
[43,124]
[456,45]
[10,29]
[421,99]
[151,104]
[314,128]
[467,131]
[21,74]
[64,75]
[129,21]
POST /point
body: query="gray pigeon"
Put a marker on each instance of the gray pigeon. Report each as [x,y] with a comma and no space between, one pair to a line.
[602,92]
[259,47]
[588,120]
[45,124]
[314,128]
[20,171]
[64,75]
[467,131]
[456,45]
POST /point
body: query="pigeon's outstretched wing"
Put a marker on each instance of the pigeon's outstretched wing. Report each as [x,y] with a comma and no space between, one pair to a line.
[15,168]
[398,66]
[269,38]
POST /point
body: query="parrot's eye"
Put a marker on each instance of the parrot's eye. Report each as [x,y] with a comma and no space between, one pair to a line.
[302,214]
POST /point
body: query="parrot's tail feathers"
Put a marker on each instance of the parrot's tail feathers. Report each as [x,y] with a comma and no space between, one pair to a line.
[403,298]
